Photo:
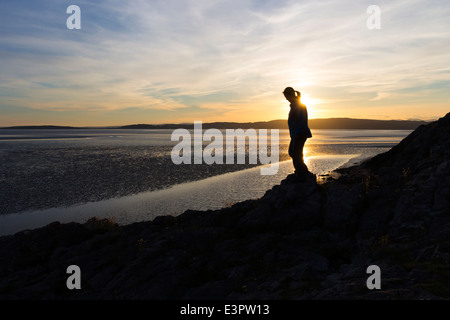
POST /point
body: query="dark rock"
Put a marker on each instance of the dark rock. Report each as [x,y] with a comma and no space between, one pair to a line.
[301,240]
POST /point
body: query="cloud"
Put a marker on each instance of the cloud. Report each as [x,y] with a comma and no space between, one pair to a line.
[203,55]
[380,96]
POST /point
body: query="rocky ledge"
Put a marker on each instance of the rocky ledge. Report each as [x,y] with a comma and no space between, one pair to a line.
[301,240]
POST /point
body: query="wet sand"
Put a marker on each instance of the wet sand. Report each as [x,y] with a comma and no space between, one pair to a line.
[130,176]
[35,178]
[207,194]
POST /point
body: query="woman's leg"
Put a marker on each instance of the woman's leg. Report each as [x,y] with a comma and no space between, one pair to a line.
[291,144]
[297,153]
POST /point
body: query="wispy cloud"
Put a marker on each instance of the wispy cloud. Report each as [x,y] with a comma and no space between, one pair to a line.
[231,56]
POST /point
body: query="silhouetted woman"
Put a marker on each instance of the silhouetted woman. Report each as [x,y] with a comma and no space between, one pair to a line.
[298,130]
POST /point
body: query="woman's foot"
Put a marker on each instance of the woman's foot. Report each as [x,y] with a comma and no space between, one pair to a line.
[304,175]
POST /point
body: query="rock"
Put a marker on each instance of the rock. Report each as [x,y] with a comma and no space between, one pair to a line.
[341,209]
[301,240]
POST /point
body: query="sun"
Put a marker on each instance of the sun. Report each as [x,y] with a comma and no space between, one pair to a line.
[307,100]
[312,104]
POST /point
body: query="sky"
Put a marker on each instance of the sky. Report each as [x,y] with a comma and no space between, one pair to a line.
[175,61]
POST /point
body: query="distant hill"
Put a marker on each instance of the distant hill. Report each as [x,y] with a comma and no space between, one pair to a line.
[332,123]
[347,123]
[40,127]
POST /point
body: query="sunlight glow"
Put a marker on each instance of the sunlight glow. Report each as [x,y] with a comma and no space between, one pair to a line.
[306,154]
[310,103]
[307,100]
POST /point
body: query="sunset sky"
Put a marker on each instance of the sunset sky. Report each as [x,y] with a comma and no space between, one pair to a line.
[178,61]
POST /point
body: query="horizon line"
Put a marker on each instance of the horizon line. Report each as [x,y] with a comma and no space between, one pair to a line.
[210,122]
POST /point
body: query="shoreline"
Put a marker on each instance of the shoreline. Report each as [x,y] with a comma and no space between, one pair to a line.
[174,200]
[38,175]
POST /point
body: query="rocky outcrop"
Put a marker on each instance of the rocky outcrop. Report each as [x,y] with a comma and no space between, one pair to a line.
[301,240]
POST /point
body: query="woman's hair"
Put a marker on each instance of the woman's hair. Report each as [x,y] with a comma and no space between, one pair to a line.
[290,92]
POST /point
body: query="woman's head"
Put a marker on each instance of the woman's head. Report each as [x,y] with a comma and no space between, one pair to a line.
[291,94]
